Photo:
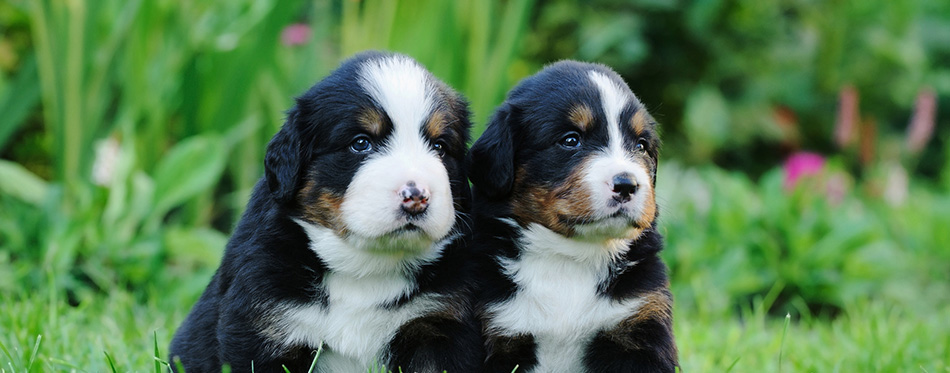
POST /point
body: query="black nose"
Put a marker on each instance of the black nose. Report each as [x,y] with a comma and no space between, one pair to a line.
[623,187]
[415,200]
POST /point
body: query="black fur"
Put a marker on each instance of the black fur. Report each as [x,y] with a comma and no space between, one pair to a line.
[519,147]
[267,262]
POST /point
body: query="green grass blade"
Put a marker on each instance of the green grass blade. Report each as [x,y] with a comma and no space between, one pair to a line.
[9,357]
[178,366]
[110,362]
[158,361]
[316,356]
[733,365]
[781,349]
[36,348]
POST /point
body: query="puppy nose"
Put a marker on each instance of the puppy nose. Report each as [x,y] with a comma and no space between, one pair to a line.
[415,198]
[624,186]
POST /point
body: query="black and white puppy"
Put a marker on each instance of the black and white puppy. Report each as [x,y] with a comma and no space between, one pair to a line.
[565,222]
[353,241]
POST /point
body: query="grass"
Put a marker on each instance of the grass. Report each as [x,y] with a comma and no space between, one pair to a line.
[116,333]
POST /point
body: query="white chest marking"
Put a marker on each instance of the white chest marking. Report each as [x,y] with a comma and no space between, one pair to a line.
[557,300]
[354,328]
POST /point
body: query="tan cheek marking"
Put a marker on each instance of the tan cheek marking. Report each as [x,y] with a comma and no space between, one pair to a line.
[322,209]
[435,126]
[639,121]
[547,206]
[646,218]
[582,116]
[372,121]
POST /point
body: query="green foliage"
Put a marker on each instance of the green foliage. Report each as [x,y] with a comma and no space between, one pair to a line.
[157,137]
[730,241]
[743,82]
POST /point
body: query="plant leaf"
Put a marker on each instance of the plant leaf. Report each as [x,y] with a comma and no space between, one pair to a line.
[189,168]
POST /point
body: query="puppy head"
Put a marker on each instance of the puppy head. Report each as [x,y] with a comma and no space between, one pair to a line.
[372,153]
[574,150]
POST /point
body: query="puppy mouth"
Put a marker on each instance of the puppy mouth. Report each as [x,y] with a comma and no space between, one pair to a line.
[617,218]
[619,224]
[407,229]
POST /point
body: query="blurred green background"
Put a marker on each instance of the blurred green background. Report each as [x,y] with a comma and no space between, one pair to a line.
[805,171]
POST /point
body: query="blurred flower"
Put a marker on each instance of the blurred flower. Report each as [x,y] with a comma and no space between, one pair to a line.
[802,164]
[788,125]
[921,126]
[295,34]
[848,116]
[837,187]
[107,157]
[895,185]
[868,137]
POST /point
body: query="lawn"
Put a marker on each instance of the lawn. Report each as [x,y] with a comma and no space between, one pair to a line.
[804,182]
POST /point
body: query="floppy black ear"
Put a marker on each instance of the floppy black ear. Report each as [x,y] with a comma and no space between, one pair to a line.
[491,160]
[282,162]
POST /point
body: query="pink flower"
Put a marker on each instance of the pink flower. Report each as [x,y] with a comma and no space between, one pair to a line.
[848,116]
[921,127]
[295,34]
[802,164]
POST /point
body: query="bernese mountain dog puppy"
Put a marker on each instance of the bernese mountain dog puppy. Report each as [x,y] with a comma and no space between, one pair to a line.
[353,242]
[565,222]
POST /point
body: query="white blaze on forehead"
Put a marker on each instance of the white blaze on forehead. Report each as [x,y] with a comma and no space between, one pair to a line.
[613,99]
[401,87]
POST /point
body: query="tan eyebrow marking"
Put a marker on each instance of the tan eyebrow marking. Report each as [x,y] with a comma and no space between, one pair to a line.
[435,126]
[639,121]
[582,116]
[372,121]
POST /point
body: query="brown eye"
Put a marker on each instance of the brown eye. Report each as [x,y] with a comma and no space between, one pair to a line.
[571,140]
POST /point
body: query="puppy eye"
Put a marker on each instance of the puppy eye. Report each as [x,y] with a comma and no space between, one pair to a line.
[439,148]
[571,140]
[361,144]
[641,145]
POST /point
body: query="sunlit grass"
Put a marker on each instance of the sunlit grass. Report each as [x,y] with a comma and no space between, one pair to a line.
[112,332]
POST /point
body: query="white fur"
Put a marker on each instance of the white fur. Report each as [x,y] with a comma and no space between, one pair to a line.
[370,208]
[400,86]
[557,298]
[354,328]
[613,99]
[615,159]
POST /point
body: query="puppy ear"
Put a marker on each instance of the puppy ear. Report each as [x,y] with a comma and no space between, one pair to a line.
[491,160]
[282,162]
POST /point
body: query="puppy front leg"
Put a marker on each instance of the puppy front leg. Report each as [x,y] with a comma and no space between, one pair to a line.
[506,352]
[436,343]
[641,343]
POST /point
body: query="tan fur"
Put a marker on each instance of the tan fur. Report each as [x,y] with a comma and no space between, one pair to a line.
[322,209]
[649,206]
[639,121]
[657,308]
[435,126]
[582,117]
[551,205]
[372,121]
